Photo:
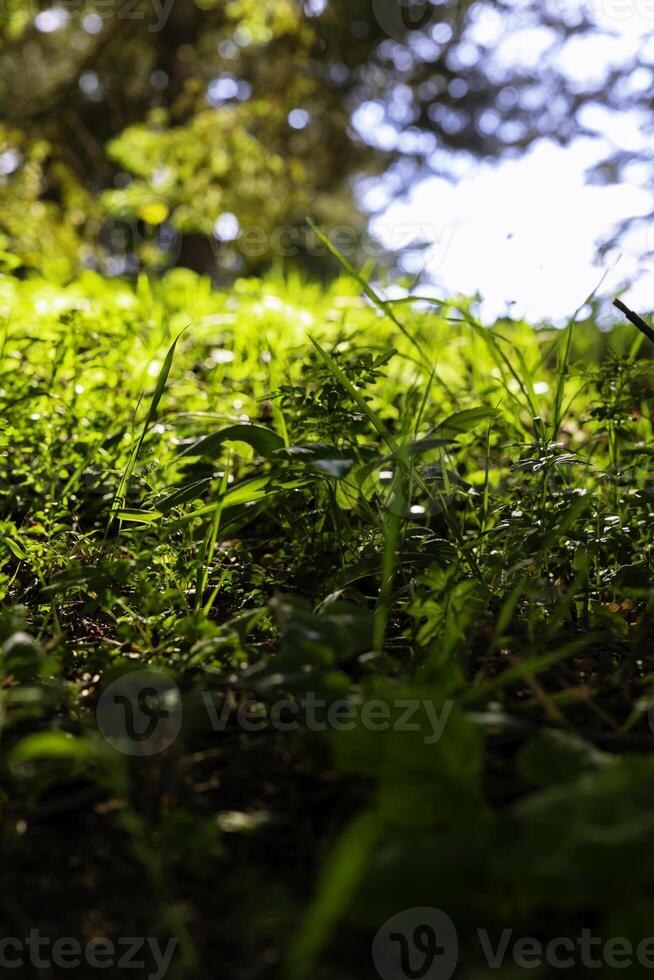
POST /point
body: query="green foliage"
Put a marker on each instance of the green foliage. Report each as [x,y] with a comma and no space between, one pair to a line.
[264,493]
[130,126]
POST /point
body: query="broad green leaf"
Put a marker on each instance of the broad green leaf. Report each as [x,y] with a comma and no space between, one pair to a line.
[51,745]
[183,494]
[263,440]
[464,421]
[554,756]
[321,457]
[16,549]
[140,516]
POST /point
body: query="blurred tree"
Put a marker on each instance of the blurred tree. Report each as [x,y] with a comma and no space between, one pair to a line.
[204,131]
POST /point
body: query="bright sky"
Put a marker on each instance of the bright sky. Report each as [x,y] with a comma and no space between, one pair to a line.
[524,232]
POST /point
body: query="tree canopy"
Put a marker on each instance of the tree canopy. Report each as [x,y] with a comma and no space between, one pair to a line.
[203,132]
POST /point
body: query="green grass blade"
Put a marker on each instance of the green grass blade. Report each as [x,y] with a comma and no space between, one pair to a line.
[381,304]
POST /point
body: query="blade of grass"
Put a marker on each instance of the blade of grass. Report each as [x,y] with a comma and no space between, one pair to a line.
[391,528]
[157,394]
[209,543]
[380,303]
[397,451]
[564,359]
[341,876]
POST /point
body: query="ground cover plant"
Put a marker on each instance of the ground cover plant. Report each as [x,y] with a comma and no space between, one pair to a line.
[246,507]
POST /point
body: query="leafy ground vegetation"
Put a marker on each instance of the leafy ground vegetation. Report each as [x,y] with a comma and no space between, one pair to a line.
[281,496]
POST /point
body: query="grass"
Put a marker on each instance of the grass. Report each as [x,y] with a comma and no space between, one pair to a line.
[284,494]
